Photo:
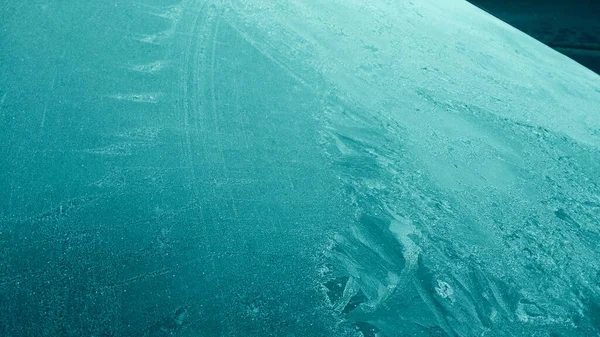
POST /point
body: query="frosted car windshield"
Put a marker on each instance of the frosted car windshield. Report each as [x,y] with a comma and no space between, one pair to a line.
[293,168]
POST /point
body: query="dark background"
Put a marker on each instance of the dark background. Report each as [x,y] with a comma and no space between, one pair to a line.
[571,27]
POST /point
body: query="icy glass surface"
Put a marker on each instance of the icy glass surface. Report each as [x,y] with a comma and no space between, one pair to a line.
[293,168]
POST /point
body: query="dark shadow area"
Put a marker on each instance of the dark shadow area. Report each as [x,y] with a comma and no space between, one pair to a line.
[570,27]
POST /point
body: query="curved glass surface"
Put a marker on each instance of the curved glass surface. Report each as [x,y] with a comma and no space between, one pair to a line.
[293,168]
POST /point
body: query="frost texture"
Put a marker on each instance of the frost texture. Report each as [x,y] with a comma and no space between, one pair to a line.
[295,168]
